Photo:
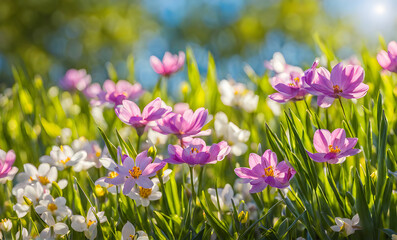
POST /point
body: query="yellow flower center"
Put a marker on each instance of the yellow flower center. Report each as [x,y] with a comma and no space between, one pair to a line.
[43,180]
[113,174]
[132,237]
[90,222]
[269,171]
[61,147]
[125,94]
[296,79]
[337,89]
[3,221]
[145,192]
[333,150]
[98,153]
[52,207]
[135,172]
[194,150]
[66,160]
[99,190]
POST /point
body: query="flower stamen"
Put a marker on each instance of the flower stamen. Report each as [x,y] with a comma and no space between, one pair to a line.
[333,150]
[269,171]
[135,172]
[337,90]
[145,192]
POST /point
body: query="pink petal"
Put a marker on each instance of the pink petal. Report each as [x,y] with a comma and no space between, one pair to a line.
[144,182]
[258,186]
[280,98]
[321,140]
[337,74]
[317,157]
[383,59]
[338,137]
[324,101]
[156,65]
[392,48]
[109,86]
[254,159]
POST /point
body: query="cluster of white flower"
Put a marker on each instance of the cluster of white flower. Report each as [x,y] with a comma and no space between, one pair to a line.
[237,95]
[229,131]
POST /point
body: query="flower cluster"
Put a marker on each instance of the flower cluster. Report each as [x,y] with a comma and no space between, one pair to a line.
[293,84]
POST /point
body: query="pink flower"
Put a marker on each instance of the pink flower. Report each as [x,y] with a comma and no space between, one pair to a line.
[135,172]
[130,114]
[343,81]
[75,80]
[289,86]
[170,65]
[92,91]
[186,124]
[265,171]
[388,60]
[6,162]
[197,153]
[114,93]
[333,148]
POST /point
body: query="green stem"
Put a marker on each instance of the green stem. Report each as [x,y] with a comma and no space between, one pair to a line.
[200,180]
[344,115]
[138,144]
[192,184]
[165,201]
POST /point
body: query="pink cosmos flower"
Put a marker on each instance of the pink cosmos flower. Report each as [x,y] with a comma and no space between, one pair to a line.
[388,60]
[343,81]
[114,93]
[130,114]
[289,86]
[333,148]
[186,124]
[6,162]
[170,64]
[197,153]
[135,172]
[92,90]
[75,80]
[265,171]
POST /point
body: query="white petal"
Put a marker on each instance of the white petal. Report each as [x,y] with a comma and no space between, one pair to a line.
[78,223]
[61,228]
[128,229]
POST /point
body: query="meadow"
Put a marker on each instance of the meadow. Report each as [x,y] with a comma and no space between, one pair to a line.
[300,152]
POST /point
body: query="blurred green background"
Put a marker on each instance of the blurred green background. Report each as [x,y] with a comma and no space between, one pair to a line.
[47,37]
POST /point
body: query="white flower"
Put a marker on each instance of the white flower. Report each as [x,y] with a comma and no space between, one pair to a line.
[278,64]
[89,224]
[128,233]
[33,192]
[54,229]
[236,94]
[65,136]
[346,226]
[44,175]
[94,151]
[5,225]
[143,196]
[242,188]
[64,156]
[225,196]
[394,236]
[156,138]
[109,164]
[231,133]
[25,234]
[166,175]
[55,207]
